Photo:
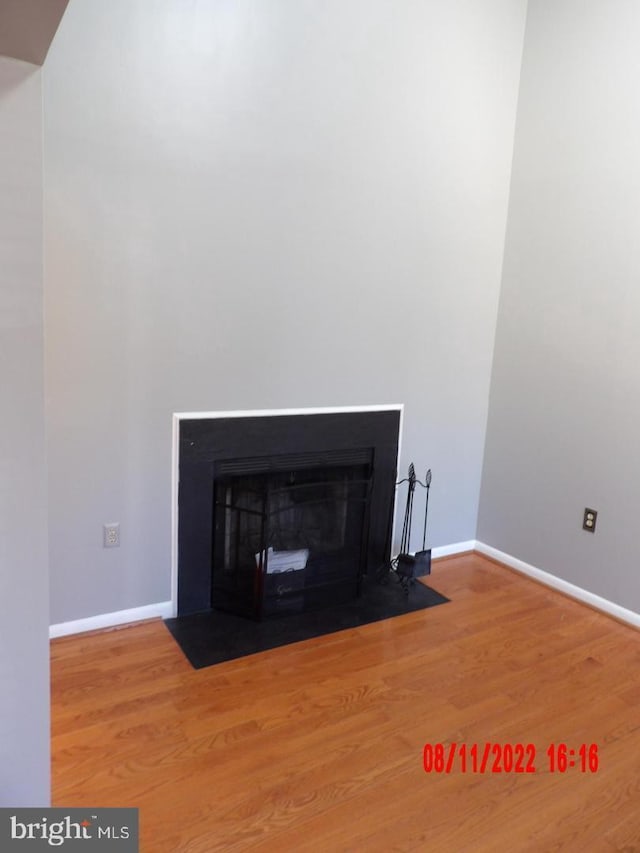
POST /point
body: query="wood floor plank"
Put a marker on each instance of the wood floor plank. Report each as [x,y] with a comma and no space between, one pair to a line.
[318,745]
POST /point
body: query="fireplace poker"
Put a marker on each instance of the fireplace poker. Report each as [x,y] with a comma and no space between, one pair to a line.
[427,484]
[408,512]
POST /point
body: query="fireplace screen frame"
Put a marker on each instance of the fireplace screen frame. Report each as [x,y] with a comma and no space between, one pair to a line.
[290,532]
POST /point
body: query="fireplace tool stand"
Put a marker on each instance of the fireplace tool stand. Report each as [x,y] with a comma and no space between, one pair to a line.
[406,567]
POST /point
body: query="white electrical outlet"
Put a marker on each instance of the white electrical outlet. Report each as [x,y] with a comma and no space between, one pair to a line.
[111,535]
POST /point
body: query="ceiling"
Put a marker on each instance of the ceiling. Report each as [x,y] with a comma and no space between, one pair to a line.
[27,27]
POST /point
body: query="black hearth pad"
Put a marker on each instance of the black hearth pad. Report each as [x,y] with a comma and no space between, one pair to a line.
[215,636]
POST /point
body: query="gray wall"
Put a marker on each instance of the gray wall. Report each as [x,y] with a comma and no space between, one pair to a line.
[565,396]
[257,205]
[24,648]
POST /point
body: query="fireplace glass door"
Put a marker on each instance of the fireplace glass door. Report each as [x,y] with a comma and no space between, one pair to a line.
[292,537]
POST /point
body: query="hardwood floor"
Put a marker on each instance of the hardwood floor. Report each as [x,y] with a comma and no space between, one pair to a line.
[319,746]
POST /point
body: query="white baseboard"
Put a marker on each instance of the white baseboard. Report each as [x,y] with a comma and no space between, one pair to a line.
[573,591]
[109,620]
[456,548]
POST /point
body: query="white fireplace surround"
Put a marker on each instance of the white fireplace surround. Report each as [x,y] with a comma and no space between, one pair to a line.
[178,417]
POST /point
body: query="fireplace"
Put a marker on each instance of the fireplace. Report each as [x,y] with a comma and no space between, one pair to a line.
[284,512]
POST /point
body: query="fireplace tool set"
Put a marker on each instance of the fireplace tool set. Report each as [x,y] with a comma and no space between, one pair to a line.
[406,566]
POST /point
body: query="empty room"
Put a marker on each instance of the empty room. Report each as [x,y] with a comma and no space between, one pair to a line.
[319,469]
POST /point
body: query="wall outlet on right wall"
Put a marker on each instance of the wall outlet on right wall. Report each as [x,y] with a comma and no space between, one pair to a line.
[111,535]
[589,520]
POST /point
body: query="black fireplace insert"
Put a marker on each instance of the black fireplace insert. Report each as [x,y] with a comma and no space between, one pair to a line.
[283,513]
